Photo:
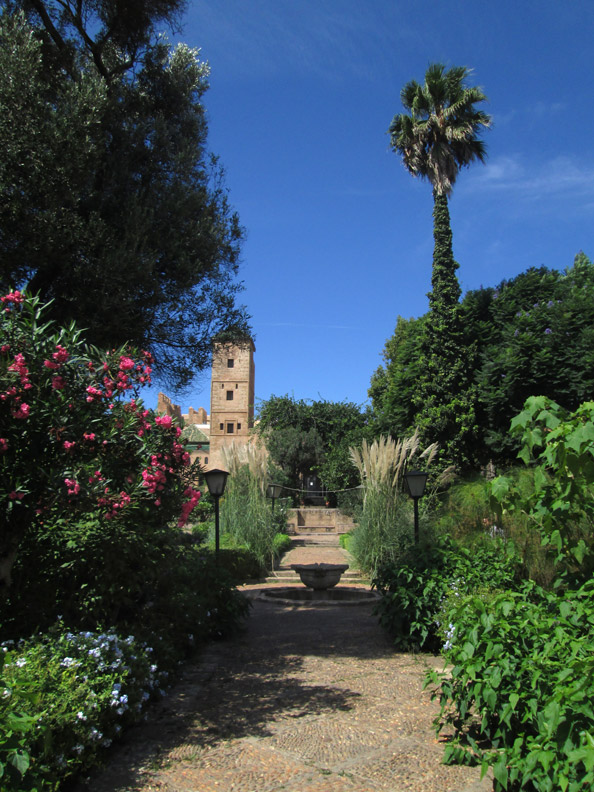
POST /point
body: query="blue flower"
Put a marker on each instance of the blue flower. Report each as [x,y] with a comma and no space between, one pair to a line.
[548,331]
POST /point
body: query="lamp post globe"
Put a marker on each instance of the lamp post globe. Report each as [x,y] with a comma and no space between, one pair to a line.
[416,480]
[215,481]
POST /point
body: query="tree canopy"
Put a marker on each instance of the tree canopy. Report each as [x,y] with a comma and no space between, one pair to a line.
[532,335]
[112,206]
[312,436]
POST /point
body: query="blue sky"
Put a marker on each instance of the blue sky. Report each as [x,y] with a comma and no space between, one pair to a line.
[339,235]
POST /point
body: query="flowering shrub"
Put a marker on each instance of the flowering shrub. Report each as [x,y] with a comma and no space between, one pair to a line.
[73,453]
[93,491]
[74,692]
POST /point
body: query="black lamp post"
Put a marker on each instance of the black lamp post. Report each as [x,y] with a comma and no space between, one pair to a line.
[416,481]
[215,481]
[273,491]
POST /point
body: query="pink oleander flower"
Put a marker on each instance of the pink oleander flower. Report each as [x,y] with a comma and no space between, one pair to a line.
[72,485]
[5,348]
[94,394]
[22,411]
[14,495]
[61,354]
[51,364]
[15,297]
[163,420]
[188,506]
[68,445]
[58,383]
[126,363]
[3,444]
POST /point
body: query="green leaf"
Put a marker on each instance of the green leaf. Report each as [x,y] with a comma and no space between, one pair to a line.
[500,771]
[20,760]
[581,436]
[552,714]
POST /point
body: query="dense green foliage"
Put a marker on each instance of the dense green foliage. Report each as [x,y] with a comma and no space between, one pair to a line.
[520,686]
[531,335]
[414,590]
[536,338]
[111,205]
[312,436]
[560,446]
[445,396]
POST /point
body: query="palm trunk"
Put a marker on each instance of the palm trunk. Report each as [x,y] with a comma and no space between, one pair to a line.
[445,287]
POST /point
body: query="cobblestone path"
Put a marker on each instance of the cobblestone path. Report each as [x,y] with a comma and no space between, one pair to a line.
[306,699]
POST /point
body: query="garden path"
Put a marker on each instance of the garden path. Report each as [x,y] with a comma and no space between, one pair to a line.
[306,699]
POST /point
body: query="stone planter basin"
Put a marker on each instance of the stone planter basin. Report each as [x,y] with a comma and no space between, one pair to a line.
[320,576]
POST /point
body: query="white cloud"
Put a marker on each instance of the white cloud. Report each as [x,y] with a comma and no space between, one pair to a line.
[552,179]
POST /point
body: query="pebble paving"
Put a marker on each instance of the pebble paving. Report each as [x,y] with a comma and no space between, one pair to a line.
[306,699]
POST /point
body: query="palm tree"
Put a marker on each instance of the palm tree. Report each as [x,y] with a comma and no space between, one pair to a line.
[440,135]
[436,138]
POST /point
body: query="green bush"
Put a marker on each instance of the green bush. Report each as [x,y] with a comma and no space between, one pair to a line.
[519,688]
[414,591]
[345,541]
[69,695]
[466,514]
[241,564]
[281,544]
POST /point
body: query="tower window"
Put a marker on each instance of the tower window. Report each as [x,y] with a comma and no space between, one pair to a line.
[229,395]
[221,427]
[230,362]
[222,384]
[229,428]
[238,427]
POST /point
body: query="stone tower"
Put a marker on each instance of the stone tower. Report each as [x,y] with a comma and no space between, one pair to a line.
[231,396]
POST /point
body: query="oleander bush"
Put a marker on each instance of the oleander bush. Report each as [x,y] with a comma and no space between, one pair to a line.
[95,491]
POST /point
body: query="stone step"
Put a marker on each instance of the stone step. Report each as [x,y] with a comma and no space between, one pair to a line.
[305,539]
[313,529]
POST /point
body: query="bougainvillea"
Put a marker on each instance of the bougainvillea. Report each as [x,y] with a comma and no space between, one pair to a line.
[71,445]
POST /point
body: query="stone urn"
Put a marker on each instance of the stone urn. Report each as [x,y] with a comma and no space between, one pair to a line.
[320,576]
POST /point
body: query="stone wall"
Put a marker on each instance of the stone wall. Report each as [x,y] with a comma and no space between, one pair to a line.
[314,520]
[166,407]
